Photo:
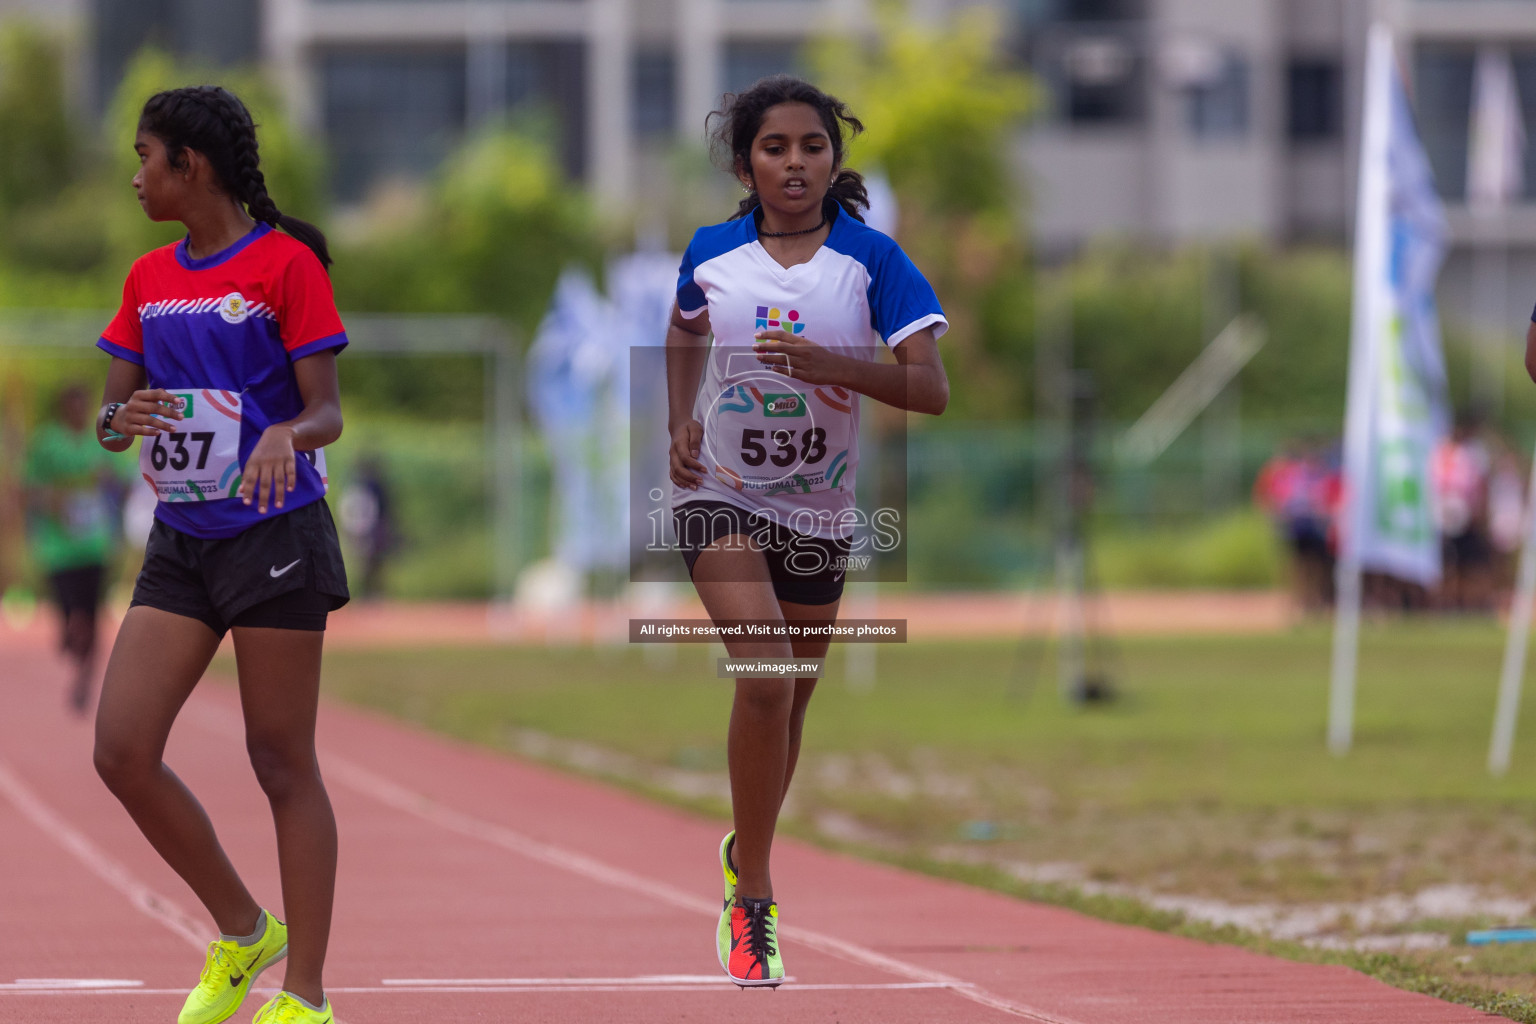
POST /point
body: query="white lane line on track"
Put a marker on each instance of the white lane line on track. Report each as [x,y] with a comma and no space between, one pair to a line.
[77,984]
[102,866]
[419,805]
[722,985]
[114,874]
[640,979]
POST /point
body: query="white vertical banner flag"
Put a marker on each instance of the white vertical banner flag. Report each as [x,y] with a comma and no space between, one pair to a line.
[1397,410]
[1496,149]
[567,372]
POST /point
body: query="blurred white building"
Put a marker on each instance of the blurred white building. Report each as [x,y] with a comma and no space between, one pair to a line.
[393,83]
[56,10]
[1185,120]
[1168,120]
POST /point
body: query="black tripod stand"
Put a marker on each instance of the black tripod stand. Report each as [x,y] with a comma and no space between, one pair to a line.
[1084,653]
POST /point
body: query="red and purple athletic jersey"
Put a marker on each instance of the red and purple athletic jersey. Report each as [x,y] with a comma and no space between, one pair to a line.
[236,322]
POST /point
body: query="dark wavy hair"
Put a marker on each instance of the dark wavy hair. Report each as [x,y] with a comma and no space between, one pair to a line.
[213,121]
[736,124]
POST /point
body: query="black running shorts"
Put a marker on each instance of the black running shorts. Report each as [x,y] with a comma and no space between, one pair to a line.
[804,569]
[285,572]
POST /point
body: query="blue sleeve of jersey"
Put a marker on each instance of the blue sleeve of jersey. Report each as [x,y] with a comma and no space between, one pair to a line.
[690,297]
[901,301]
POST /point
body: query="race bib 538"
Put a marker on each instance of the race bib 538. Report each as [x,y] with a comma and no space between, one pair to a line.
[773,435]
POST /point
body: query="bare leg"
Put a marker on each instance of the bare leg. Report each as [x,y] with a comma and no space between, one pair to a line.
[280,694]
[734,585]
[804,614]
[157,660]
[80,642]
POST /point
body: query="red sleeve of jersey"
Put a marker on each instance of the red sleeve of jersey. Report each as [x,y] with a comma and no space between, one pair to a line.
[308,317]
[124,336]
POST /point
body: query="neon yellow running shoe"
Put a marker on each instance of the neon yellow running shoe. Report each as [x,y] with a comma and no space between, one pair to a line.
[284,1009]
[229,973]
[723,929]
[755,958]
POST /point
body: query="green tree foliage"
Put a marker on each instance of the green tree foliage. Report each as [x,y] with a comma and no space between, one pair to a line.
[71,243]
[943,110]
[1140,317]
[490,235]
[1303,299]
[291,165]
[41,157]
[36,146]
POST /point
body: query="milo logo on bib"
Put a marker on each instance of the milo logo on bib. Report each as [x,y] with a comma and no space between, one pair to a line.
[783,405]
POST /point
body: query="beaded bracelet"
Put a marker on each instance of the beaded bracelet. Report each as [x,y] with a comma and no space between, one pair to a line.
[108,414]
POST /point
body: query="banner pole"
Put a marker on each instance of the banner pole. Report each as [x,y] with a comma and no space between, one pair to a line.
[1507,715]
[1346,654]
[1365,329]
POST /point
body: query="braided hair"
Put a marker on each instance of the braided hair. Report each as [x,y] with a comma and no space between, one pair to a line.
[213,121]
[741,117]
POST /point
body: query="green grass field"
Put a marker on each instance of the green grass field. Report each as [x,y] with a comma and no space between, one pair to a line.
[1207,778]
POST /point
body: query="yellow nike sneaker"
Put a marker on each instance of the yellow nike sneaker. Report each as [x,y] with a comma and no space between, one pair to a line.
[723,928]
[229,973]
[284,1009]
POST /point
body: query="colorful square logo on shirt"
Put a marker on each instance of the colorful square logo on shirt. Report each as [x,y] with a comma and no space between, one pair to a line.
[771,318]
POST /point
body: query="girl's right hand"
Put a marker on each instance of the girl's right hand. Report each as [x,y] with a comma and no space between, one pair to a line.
[147,413]
[687,470]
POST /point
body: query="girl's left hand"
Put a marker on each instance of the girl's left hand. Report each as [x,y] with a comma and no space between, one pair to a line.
[797,358]
[271,471]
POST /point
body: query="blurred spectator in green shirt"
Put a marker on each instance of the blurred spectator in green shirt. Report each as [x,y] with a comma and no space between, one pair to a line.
[73,502]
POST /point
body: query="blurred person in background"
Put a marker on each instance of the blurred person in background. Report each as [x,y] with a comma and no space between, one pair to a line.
[1459,476]
[73,497]
[1506,512]
[368,519]
[13,519]
[1299,488]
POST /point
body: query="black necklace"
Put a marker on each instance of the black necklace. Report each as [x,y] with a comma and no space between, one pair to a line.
[790,234]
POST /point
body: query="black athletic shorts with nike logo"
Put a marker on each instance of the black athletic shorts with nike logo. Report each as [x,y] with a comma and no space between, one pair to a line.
[285,573]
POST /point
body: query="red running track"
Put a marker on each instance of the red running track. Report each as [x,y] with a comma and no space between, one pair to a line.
[475,887]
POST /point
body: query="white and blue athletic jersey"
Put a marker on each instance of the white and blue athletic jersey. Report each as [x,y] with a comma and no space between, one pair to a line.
[782,448]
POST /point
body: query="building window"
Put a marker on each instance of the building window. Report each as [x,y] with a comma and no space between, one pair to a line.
[550,79]
[1100,10]
[1314,99]
[1099,77]
[1216,103]
[1525,84]
[1039,12]
[1442,102]
[746,62]
[389,112]
[655,93]
[221,34]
